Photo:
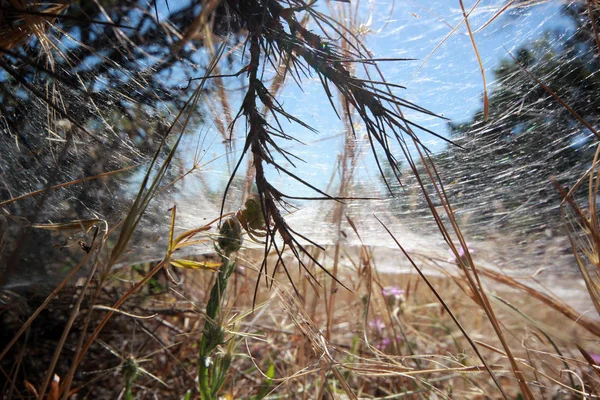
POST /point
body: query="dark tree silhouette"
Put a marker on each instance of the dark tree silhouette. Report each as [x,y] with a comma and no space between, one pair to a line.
[108,72]
[87,88]
[503,177]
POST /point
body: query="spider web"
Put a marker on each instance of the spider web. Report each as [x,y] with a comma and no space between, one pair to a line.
[498,180]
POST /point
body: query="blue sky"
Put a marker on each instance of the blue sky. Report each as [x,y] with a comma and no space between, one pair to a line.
[449,83]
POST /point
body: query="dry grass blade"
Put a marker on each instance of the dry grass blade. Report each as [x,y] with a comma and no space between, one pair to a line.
[589,359]
[570,389]
[496,15]
[199,23]
[66,184]
[48,299]
[539,326]
[444,40]
[23,19]
[556,96]
[145,195]
[593,20]
[61,343]
[443,303]
[351,151]
[79,224]
[470,271]
[584,232]
[589,324]
[318,341]
[486,101]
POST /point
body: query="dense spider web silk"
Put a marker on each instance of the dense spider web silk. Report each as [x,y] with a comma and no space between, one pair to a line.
[500,187]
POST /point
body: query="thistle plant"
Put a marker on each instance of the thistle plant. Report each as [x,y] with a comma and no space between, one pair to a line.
[212,369]
[213,366]
[131,371]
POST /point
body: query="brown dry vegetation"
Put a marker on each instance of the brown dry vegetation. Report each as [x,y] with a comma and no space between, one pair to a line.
[137,331]
[382,347]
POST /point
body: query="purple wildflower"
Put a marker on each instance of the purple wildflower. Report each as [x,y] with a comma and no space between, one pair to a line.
[392,291]
[377,324]
[383,343]
[461,253]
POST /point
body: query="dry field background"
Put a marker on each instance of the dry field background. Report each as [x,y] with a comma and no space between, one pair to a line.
[238,302]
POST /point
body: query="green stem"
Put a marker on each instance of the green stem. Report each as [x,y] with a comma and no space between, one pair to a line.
[213,335]
[128,393]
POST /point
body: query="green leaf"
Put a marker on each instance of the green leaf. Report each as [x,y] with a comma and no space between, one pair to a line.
[266,386]
[189,264]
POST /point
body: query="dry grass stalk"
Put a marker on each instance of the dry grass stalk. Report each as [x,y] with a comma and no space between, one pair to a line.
[354,367]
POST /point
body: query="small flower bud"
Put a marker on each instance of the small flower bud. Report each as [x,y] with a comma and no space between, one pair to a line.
[231,236]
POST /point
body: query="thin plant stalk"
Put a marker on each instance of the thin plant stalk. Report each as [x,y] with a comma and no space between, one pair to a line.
[209,383]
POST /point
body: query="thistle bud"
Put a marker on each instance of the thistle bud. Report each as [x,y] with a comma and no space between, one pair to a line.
[230,239]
